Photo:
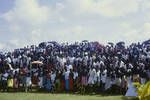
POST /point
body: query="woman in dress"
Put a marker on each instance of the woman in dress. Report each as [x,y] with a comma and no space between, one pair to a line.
[16,82]
[71,80]
[10,83]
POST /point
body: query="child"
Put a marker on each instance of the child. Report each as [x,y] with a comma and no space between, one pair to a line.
[40,83]
[48,82]
[53,76]
[58,83]
[103,79]
[40,77]
[62,79]
[71,80]
[9,83]
[4,81]
[16,82]
[75,78]
[28,83]
[67,80]
[124,85]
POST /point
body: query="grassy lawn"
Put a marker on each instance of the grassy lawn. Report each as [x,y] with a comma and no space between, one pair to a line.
[49,96]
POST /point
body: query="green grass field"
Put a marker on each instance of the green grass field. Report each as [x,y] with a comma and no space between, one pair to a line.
[49,96]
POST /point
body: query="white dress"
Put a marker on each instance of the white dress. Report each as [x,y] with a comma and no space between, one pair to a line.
[104,76]
[108,83]
[91,77]
[40,83]
[28,81]
[98,76]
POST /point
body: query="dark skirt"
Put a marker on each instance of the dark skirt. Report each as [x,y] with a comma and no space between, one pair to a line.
[62,85]
[71,84]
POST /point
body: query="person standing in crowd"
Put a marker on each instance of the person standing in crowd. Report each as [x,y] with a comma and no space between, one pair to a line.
[71,81]
[58,81]
[53,78]
[103,79]
[10,82]
[124,85]
[16,81]
[28,86]
[40,78]
[84,79]
[89,66]
[22,75]
[75,80]
[48,82]
[67,72]
[4,80]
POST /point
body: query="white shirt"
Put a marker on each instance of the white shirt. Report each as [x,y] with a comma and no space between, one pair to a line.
[103,77]
[67,75]
[53,76]
[28,81]
[4,76]
[69,67]
[9,60]
[98,75]
[75,75]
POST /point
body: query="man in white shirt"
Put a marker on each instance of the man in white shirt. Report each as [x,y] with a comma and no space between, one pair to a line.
[69,66]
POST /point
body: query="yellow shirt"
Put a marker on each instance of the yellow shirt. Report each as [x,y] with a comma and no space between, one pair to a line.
[10,83]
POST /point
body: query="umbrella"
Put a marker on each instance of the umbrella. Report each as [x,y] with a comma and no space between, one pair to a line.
[110,43]
[120,45]
[85,41]
[37,62]
[42,45]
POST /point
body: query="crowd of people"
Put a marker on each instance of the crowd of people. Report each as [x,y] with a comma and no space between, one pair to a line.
[78,67]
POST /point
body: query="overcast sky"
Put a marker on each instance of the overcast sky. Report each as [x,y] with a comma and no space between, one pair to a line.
[26,22]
